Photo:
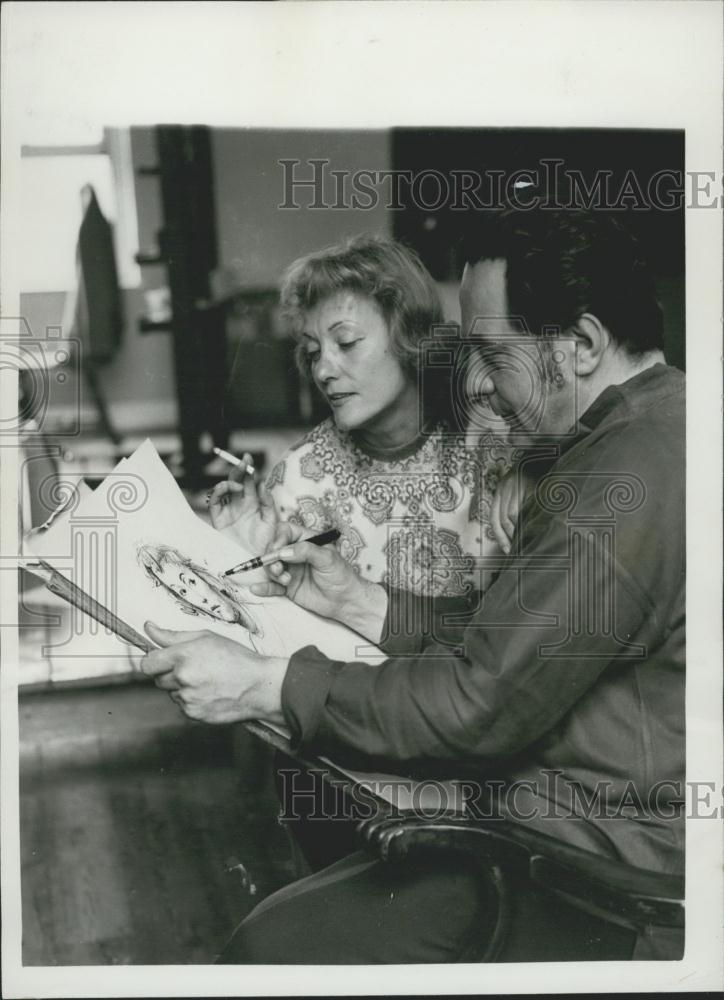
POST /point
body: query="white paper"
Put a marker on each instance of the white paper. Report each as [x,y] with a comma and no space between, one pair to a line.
[138,548]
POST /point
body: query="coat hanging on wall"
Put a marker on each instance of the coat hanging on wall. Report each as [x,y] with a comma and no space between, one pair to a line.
[93,311]
[99,317]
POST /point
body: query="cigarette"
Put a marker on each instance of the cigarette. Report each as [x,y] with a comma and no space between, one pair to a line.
[233,460]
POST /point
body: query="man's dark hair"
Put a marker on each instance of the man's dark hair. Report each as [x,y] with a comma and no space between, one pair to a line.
[561,264]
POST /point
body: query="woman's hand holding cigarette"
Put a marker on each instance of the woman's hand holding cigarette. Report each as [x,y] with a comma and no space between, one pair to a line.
[242,511]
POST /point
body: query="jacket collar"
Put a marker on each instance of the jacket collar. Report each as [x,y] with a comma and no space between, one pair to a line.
[612,397]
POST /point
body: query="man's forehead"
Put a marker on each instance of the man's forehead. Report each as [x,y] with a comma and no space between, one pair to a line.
[484,282]
[484,302]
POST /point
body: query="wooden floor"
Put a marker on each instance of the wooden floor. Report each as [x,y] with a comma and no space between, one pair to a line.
[145,838]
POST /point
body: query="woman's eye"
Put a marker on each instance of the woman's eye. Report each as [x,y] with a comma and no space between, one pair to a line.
[192,582]
[346,346]
[182,591]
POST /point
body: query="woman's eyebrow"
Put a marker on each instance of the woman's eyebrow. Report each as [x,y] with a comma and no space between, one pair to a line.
[339,322]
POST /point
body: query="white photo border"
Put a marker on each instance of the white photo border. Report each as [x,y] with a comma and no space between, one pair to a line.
[605,64]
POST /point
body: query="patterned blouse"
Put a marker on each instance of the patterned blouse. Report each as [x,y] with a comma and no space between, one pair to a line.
[414,518]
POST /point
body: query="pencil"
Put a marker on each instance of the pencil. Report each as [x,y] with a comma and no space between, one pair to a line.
[70,592]
[270,557]
[233,460]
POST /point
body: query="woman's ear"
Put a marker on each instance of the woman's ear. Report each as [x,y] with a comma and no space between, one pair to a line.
[592,340]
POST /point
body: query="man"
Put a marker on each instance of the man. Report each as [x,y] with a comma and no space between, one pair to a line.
[568,680]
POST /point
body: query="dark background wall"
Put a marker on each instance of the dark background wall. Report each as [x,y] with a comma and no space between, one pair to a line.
[261,240]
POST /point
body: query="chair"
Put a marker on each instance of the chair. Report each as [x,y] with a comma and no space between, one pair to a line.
[568,892]
[553,901]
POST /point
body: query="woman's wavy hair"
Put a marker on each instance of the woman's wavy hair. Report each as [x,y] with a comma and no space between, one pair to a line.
[385,270]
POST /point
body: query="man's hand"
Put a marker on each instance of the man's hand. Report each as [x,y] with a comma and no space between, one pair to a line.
[213,679]
[507,501]
[317,578]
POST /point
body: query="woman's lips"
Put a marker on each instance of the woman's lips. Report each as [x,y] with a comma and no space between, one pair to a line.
[338,398]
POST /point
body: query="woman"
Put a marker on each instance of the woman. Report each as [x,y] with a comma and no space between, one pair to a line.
[411,498]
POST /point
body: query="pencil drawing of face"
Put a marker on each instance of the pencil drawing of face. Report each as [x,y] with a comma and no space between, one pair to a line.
[195,589]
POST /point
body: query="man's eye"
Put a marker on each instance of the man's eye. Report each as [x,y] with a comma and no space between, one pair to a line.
[192,582]
[346,346]
[182,591]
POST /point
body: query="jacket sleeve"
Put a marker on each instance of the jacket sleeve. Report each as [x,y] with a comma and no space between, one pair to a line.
[577,599]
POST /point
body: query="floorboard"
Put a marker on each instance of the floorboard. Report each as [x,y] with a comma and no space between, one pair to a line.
[133,825]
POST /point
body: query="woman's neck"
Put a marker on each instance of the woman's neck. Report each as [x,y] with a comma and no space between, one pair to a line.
[396,429]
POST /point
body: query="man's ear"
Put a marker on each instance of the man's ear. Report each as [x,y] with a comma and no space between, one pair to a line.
[592,342]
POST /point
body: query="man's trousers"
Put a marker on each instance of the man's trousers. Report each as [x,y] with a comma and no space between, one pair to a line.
[354,909]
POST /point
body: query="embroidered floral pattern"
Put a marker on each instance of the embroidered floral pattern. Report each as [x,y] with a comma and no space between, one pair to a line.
[415,521]
[427,560]
[276,476]
[311,468]
[331,511]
